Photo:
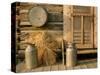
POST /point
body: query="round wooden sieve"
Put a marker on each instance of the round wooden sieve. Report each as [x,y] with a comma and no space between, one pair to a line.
[37,16]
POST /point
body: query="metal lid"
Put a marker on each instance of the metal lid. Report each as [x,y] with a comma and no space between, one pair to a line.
[37,16]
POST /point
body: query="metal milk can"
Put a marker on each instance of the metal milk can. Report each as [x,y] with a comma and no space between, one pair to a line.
[71,55]
[31,56]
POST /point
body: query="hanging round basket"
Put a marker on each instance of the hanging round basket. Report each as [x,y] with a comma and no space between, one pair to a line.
[37,16]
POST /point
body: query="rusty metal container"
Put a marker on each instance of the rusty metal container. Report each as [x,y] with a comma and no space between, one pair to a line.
[31,56]
[71,55]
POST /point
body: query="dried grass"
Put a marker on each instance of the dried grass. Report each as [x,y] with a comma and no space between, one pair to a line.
[46,45]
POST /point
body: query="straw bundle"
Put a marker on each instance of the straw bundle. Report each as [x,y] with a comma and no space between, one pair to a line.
[46,45]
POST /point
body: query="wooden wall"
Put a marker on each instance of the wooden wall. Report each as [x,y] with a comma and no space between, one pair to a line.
[80,25]
[26,32]
[59,25]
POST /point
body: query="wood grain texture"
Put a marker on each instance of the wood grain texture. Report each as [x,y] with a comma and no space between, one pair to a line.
[84,64]
[54,68]
[61,67]
[46,68]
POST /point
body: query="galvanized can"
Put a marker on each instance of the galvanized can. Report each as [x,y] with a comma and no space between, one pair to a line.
[71,55]
[31,56]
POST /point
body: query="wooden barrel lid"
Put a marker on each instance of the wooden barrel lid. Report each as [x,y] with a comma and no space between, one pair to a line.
[37,16]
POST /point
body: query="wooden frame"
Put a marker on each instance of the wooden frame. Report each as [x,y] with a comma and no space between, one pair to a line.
[82,15]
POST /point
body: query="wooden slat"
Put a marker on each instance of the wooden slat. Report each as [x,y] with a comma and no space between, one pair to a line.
[87,61]
[93,65]
[92,31]
[69,68]
[17,17]
[31,31]
[82,14]
[83,66]
[52,16]
[55,17]
[61,67]
[48,7]
[83,46]
[49,23]
[86,51]
[81,10]
[82,30]
[52,7]
[53,26]
[95,26]
[46,68]
[26,6]
[44,28]
[24,11]
[72,29]
[25,23]
[38,69]
[24,17]
[55,23]
[54,67]
[77,67]
[67,27]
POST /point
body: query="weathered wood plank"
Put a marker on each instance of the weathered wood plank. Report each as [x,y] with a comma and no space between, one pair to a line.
[82,14]
[84,66]
[48,7]
[52,27]
[61,67]
[54,68]
[46,68]
[67,28]
[49,23]
[24,16]
[38,69]
[87,61]
[86,51]
[27,6]
[55,17]
[52,16]
[69,68]
[93,65]
[25,23]
[23,11]
[81,65]
[77,67]
[31,31]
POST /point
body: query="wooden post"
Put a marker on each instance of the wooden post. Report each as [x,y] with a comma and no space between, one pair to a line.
[67,28]
[95,27]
